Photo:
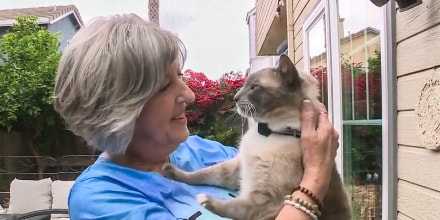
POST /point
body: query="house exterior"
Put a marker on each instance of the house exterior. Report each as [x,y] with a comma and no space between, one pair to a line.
[256,62]
[378,71]
[63,19]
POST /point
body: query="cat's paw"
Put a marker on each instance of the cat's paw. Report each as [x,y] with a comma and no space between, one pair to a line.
[204,200]
[169,171]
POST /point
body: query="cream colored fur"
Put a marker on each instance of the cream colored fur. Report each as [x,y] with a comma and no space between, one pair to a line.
[266,168]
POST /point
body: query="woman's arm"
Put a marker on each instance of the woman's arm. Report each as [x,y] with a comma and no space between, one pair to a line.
[319,147]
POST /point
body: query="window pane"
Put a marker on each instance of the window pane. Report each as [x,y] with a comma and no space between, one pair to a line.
[318,57]
[359,38]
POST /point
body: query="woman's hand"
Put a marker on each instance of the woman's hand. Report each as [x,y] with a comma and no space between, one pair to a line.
[319,142]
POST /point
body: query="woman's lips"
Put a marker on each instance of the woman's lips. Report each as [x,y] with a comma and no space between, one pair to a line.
[181,118]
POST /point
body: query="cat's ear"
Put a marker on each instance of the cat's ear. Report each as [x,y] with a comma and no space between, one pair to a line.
[288,70]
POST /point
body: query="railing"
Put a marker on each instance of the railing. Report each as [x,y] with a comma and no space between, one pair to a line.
[67,167]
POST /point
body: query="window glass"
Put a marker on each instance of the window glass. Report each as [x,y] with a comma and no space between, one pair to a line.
[359,46]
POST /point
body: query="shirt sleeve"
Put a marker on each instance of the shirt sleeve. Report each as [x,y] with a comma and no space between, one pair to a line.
[196,153]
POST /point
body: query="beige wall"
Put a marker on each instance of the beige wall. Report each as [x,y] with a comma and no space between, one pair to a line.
[301,10]
[418,58]
[265,14]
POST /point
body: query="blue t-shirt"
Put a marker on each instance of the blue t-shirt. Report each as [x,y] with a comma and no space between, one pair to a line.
[106,190]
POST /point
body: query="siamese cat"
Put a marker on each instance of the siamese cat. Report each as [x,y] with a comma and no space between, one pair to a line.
[269,163]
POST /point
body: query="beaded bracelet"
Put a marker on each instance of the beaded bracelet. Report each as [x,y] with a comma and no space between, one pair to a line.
[302,208]
[311,195]
[312,207]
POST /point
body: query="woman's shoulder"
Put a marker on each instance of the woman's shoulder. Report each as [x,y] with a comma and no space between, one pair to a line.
[197,152]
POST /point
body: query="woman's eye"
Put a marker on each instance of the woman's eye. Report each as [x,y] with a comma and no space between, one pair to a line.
[253,86]
[180,75]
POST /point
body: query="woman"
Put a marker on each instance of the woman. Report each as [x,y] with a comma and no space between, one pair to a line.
[119,87]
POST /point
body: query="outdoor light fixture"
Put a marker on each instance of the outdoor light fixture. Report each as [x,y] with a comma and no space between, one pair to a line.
[408,4]
[403,4]
[281,3]
[278,9]
[379,3]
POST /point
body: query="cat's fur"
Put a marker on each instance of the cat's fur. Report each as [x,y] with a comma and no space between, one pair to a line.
[266,168]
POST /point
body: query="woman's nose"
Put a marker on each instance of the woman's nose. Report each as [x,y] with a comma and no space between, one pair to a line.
[191,96]
[187,95]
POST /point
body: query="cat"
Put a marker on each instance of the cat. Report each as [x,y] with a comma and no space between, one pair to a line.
[268,166]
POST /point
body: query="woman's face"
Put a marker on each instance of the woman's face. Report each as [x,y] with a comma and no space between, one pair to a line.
[162,122]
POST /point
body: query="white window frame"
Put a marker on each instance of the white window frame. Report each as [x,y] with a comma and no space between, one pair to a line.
[322,9]
[389,113]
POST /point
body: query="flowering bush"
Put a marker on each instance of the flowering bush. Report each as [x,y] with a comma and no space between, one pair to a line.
[212,115]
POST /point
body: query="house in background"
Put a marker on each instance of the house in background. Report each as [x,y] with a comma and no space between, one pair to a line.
[352,47]
[378,71]
[63,19]
[256,62]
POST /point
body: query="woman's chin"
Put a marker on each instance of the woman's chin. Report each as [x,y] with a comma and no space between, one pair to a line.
[180,136]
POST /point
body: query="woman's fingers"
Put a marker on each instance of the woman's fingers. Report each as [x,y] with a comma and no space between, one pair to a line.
[323,121]
[308,117]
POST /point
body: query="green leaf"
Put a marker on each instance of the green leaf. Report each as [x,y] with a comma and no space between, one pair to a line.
[28,65]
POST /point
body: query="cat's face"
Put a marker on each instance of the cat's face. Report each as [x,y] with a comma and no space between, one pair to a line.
[272,91]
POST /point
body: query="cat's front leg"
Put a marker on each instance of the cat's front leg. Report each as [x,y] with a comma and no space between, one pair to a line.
[225,174]
[258,205]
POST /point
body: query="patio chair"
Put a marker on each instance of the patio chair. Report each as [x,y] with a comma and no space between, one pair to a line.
[38,200]
[45,214]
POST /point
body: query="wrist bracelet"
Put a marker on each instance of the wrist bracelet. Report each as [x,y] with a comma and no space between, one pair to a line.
[302,208]
[309,205]
[311,195]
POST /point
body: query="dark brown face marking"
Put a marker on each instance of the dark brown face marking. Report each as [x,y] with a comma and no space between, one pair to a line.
[270,89]
[288,72]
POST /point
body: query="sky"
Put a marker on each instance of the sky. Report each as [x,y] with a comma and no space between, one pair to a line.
[214,32]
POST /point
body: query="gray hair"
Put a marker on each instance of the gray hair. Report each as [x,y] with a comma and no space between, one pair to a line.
[110,69]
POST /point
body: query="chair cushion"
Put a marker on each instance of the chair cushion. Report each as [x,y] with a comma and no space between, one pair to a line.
[60,194]
[30,195]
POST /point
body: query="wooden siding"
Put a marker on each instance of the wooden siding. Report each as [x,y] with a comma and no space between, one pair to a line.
[301,11]
[418,202]
[265,13]
[401,216]
[418,52]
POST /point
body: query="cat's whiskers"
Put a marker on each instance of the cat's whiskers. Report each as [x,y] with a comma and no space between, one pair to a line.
[249,108]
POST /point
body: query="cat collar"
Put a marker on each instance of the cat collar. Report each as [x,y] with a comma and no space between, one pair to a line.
[264,130]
